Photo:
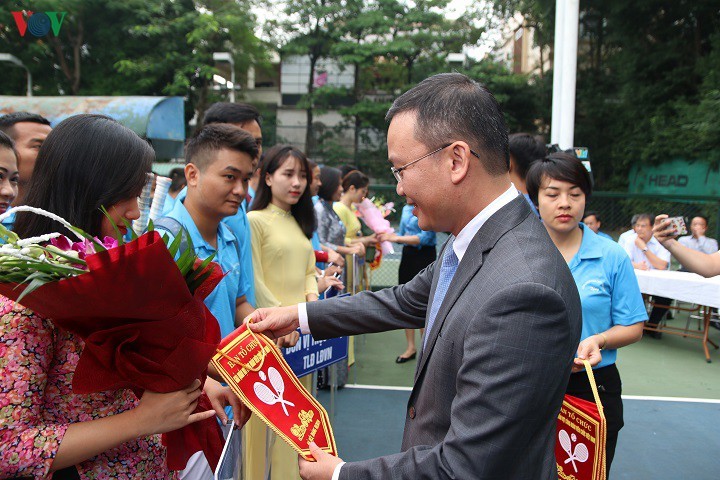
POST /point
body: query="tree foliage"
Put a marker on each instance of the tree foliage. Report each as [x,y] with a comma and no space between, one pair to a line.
[134,47]
[647,88]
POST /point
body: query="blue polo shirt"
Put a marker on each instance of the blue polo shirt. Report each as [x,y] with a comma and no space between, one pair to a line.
[605,235]
[609,290]
[221,302]
[409,226]
[240,226]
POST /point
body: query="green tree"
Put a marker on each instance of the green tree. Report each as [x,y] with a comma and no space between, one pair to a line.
[315,27]
[645,90]
[153,47]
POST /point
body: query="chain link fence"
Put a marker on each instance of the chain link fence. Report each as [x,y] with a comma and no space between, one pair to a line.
[614,208]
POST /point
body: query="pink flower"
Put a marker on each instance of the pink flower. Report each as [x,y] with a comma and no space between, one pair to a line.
[83,248]
[109,242]
[61,242]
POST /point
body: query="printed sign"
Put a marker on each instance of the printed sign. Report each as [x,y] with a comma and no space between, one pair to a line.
[310,355]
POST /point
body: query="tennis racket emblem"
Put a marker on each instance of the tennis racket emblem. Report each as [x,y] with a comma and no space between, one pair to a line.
[269,397]
[580,453]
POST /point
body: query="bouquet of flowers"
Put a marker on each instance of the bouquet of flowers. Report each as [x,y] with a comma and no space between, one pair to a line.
[140,313]
[375,219]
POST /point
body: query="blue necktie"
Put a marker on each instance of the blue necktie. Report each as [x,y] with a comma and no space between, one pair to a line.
[447,271]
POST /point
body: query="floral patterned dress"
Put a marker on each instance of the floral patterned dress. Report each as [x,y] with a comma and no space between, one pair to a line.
[37,362]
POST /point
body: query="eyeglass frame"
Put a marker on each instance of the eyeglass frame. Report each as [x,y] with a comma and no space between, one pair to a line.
[396,171]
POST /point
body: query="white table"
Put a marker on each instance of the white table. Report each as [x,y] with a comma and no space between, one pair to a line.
[686,287]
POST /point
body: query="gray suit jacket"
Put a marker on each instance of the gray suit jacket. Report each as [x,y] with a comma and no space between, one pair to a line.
[489,385]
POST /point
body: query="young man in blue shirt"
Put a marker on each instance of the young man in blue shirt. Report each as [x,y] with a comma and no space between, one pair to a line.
[219,161]
[245,117]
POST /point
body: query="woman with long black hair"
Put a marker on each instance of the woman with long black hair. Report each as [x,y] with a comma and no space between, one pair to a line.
[46,430]
[282,222]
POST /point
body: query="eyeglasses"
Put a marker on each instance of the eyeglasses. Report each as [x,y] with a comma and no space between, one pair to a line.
[397,171]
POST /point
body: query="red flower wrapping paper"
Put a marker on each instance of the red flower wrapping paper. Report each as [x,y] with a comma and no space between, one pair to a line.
[142,329]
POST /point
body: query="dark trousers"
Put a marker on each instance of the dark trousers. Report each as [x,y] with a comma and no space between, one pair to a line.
[609,387]
[657,313]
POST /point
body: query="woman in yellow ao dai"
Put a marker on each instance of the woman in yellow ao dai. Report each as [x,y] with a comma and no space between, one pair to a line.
[281,221]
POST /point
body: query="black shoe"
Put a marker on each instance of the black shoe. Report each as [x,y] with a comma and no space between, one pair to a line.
[652,334]
[715,324]
[402,359]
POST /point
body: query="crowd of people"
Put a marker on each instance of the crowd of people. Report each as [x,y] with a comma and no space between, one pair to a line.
[526,270]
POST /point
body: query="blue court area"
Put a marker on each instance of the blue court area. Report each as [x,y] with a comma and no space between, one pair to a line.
[662,440]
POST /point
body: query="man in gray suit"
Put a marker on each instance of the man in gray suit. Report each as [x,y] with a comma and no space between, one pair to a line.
[500,307]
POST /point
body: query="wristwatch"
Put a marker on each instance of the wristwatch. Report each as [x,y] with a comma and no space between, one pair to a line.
[644,250]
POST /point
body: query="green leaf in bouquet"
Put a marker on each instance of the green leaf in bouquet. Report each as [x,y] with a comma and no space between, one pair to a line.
[150,226]
[128,225]
[8,235]
[56,252]
[175,245]
[36,280]
[192,286]
[201,268]
[185,262]
[118,235]
[199,275]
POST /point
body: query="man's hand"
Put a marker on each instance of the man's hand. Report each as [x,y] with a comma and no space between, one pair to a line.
[322,468]
[640,265]
[274,322]
[664,231]
[221,396]
[640,243]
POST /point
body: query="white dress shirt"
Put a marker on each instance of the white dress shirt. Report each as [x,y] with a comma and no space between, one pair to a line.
[701,244]
[636,255]
[460,246]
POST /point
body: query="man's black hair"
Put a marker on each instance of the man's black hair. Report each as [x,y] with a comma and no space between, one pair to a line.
[7,122]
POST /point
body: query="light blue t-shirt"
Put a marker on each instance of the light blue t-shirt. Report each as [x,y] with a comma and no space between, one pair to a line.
[240,226]
[221,302]
[168,205]
[8,223]
[315,240]
[609,290]
[409,226]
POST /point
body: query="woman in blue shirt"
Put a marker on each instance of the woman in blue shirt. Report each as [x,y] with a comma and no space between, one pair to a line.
[418,253]
[612,307]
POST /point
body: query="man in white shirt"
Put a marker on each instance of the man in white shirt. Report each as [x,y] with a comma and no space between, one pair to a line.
[698,241]
[646,253]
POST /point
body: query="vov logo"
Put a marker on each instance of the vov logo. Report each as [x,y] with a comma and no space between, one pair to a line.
[38,23]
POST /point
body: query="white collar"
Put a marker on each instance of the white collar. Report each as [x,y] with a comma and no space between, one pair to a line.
[463,239]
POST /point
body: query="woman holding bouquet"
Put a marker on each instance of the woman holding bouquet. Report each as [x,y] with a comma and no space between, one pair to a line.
[282,222]
[355,188]
[613,311]
[86,162]
[331,230]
